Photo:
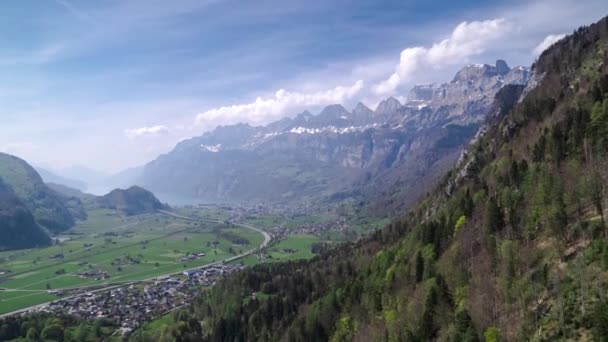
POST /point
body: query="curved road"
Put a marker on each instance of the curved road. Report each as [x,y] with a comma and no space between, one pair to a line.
[267,240]
[267,236]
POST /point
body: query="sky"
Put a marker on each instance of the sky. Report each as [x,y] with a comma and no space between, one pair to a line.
[111,84]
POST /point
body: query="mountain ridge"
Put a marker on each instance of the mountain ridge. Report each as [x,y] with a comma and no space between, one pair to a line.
[336,147]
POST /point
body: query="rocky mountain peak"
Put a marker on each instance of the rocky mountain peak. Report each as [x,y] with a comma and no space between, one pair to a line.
[501,67]
[361,108]
[362,114]
[474,82]
[333,111]
[474,72]
[304,116]
[390,105]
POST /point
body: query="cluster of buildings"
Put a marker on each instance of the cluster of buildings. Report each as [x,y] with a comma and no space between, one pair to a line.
[243,212]
[192,257]
[129,307]
[311,228]
[94,273]
[338,224]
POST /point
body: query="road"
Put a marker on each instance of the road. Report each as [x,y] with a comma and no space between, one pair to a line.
[265,243]
[267,236]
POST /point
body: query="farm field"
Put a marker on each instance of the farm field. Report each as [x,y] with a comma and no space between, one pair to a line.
[293,247]
[108,248]
[206,212]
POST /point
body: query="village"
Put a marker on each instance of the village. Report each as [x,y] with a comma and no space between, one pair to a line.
[242,213]
[130,306]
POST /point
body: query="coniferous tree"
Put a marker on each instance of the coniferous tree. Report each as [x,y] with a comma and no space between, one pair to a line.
[493,219]
[419,267]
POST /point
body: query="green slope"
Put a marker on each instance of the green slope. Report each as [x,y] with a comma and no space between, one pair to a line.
[132,201]
[512,245]
[47,207]
[18,229]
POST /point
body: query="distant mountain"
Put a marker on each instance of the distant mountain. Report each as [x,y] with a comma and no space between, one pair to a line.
[66,191]
[18,228]
[389,152]
[52,177]
[125,178]
[47,207]
[132,201]
[84,174]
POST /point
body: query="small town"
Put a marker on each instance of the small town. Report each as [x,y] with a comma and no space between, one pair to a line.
[130,306]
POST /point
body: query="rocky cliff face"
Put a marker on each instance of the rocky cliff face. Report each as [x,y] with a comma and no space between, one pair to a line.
[470,92]
[362,151]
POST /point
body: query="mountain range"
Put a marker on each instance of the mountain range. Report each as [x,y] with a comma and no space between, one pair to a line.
[391,152]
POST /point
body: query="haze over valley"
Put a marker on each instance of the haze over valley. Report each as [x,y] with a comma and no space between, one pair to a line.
[304,171]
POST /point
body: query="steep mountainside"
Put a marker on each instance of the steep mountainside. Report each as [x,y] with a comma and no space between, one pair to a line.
[337,153]
[511,245]
[132,201]
[47,206]
[18,229]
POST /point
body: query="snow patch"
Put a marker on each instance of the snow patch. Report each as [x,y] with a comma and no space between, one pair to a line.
[211,148]
[332,129]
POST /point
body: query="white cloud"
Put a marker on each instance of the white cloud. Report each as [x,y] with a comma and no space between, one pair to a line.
[547,42]
[146,131]
[467,39]
[264,110]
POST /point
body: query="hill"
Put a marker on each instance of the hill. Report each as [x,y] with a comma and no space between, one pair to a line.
[132,201]
[511,245]
[18,229]
[48,208]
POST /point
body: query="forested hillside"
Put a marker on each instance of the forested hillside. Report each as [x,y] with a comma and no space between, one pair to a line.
[512,245]
[132,201]
[18,229]
[46,205]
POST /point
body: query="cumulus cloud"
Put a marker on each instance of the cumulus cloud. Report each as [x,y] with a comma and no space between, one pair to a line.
[133,133]
[264,110]
[467,39]
[546,43]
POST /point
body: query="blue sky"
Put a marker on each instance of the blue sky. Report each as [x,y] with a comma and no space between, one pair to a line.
[111,84]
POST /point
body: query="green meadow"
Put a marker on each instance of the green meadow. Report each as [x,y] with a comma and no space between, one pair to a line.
[122,249]
[292,247]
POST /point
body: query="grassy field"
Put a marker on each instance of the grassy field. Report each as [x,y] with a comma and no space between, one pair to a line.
[210,212]
[293,247]
[119,250]
[152,330]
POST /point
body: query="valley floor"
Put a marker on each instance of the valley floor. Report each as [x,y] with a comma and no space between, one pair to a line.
[107,250]
[112,266]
